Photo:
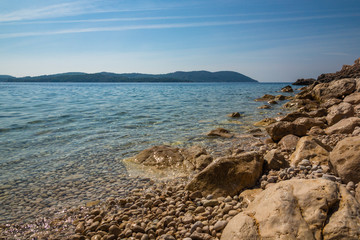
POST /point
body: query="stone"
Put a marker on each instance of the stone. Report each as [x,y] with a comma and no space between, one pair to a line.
[265,122]
[287,88]
[347,71]
[265,107]
[275,160]
[304,81]
[195,195]
[220,132]
[334,89]
[339,112]
[320,112]
[272,102]
[344,126]
[114,230]
[228,175]
[280,129]
[164,157]
[316,130]
[312,149]
[290,117]
[330,102]
[357,193]
[345,159]
[353,98]
[266,97]
[310,122]
[298,209]
[289,142]
[234,115]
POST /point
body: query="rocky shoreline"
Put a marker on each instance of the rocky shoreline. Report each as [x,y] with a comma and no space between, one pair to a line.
[293,177]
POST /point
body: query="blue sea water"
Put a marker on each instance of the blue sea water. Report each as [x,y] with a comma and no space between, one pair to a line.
[55,133]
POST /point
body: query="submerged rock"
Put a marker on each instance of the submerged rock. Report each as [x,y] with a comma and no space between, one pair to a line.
[220,132]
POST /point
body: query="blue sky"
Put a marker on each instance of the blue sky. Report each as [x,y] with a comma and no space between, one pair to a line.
[278,40]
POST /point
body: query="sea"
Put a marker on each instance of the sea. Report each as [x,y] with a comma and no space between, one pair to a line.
[63,144]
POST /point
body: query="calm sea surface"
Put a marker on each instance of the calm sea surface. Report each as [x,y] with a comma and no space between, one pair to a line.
[63,143]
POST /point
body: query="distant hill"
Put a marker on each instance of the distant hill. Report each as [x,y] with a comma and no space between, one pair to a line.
[194,76]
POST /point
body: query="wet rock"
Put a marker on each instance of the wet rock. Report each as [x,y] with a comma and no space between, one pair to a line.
[265,122]
[339,112]
[302,209]
[272,102]
[266,97]
[287,88]
[228,175]
[220,132]
[345,159]
[234,115]
[265,107]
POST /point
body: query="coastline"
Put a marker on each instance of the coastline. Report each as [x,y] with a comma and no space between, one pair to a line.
[297,155]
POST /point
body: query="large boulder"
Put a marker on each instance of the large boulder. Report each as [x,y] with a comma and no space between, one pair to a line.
[280,129]
[345,159]
[334,89]
[344,126]
[353,98]
[275,160]
[289,142]
[338,112]
[298,209]
[312,149]
[290,117]
[310,122]
[163,157]
[228,175]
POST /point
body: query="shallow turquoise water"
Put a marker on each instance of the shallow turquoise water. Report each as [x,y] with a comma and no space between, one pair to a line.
[55,131]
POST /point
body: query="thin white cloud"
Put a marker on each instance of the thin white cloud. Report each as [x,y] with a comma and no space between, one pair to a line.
[165,26]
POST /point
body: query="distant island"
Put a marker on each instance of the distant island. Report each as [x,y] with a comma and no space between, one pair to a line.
[193,76]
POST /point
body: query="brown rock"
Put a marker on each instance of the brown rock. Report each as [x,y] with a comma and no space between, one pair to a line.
[353,98]
[320,112]
[344,126]
[228,175]
[220,132]
[310,122]
[330,102]
[293,116]
[347,71]
[266,97]
[338,112]
[265,107]
[272,102]
[306,81]
[289,142]
[298,209]
[334,89]
[287,88]
[234,115]
[312,149]
[280,129]
[345,159]
[265,122]
[275,160]
[316,130]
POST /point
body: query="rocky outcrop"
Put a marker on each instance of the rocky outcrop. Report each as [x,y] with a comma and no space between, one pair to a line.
[347,71]
[338,112]
[287,88]
[164,157]
[280,129]
[306,81]
[345,159]
[220,132]
[335,89]
[312,149]
[298,209]
[228,175]
[344,126]
[353,98]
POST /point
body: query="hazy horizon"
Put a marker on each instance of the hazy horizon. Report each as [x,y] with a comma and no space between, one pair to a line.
[277,41]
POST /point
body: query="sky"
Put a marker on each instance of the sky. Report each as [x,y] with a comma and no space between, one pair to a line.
[270,41]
